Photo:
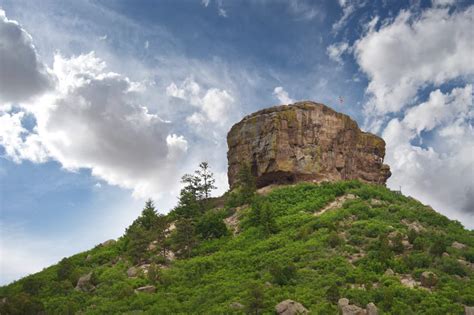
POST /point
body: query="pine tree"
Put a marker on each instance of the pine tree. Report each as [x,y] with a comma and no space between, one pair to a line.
[162,226]
[206,179]
[246,183]
[185,237]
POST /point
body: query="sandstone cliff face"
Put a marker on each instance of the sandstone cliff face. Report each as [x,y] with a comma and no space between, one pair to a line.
[305,141]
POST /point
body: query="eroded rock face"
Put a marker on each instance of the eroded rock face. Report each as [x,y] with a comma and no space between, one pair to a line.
[305,141]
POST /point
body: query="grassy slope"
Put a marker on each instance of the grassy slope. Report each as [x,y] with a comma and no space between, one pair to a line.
[224,270]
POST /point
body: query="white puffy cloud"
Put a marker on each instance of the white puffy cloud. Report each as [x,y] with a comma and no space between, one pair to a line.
[22,75]
[282,95]
[18,143]
[412,52]
[92,120]
[214,105]
[335,51]
[439,172]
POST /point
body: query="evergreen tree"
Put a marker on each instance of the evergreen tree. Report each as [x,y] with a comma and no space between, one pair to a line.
[162,226]
[263,216]
[185,237]
[141,232]
[246,183]
[267,219]
[197,189]
[211,225]
[149,216]
[206,179]
[188,204]
[255,299]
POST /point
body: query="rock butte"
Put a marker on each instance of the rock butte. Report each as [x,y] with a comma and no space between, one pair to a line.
[304,141]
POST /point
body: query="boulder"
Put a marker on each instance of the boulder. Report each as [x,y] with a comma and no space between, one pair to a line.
[108,243]
[372,309]
[389,272]
[468,310]
[146,289]
[305,141]
[408,281]
[349,309]
[428,279]
[132,272]
[415,226]
[84,283]
[458,245]
[290,307]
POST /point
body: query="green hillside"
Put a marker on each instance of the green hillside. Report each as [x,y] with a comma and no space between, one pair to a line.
[310,243]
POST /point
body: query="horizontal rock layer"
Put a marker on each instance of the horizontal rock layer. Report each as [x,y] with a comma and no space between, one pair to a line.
[305,141]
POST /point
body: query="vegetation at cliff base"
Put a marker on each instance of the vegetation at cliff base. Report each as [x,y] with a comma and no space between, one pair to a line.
[246,252]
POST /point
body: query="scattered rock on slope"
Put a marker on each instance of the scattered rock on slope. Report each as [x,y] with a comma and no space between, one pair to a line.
[146,289]
[428,279]
[349,309]
[458,245]
[290,307]
[85,283]
[305,141]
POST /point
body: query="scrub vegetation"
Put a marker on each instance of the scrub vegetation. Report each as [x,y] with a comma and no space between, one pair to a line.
[372,247]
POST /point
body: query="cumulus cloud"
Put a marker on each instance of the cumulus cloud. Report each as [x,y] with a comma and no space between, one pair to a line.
[335,51]
[440,171]
[213,105]
[22,75]
[19,143]
[90,118]
[413,51]
[282,95]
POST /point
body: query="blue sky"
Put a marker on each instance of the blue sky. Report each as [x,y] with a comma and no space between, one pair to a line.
[106,103]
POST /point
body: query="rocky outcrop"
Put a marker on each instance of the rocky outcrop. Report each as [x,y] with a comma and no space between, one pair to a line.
[349,309]
[469,310]
[85,284]
[345,308]
[290,307]
[305,141]
[108,243]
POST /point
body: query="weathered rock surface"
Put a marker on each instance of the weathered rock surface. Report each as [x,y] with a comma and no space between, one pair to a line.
[345,308]
[372,309]
[458,245]
[305,141]
[146,289]
[132,272]
[85,283]
[108,243]
[290,307]
[428,279]
[349,309]
[469,310]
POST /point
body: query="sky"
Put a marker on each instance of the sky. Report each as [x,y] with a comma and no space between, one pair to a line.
[104,104]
